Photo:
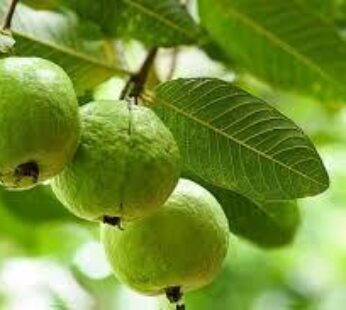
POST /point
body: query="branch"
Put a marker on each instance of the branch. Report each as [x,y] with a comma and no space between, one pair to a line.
[135,85]
[9,16]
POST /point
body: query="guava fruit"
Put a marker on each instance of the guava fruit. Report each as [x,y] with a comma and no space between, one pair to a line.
[127,164]
[177,248]
[39,121]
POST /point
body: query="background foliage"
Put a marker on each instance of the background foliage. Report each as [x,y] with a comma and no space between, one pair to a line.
[255,99]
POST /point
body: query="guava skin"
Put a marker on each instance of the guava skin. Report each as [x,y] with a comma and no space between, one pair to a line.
[39,121]
[181,245]
[127,164]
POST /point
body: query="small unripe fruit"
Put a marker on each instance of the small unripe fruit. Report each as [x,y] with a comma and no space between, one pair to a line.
[179,247]
[39,121]
[127,164]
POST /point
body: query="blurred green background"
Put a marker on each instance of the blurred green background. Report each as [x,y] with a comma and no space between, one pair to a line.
[51,260]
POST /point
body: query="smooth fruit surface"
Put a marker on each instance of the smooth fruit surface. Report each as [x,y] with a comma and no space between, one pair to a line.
[127,163]
[182,244]
[39,121]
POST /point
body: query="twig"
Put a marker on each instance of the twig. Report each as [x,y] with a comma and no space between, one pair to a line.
[9,16]
[135,85]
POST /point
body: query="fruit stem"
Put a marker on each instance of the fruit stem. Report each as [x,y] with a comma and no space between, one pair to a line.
[135,85]
[27,170]
[9,16]
[175,296]
[113,221]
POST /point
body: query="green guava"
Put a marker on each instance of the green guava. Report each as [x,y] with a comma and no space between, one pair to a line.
[39,121]
[127,164]
[179,247]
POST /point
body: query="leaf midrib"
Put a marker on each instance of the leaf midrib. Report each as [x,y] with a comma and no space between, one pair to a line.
[235,140]
[72,53]
[281,44]
[158,17]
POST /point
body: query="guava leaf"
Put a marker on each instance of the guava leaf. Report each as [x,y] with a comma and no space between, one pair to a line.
[331,10]
[236,141]
[6,42]
[42,4]
[281,42]
[55,36]
[268,224]
[155,23]
[216,53]
[38,205]
[163,23]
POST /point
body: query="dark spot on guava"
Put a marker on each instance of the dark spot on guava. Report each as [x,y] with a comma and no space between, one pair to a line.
[27,170]
[113,221]
[174,295]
